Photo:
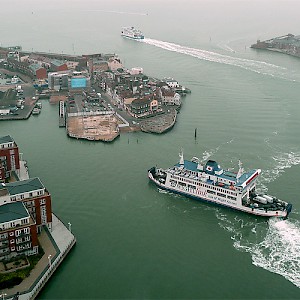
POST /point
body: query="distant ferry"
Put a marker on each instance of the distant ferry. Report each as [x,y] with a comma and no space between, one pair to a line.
[209,182]
[132,33]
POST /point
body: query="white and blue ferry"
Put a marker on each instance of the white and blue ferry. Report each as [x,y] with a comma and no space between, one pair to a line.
[209,182]
[132,33]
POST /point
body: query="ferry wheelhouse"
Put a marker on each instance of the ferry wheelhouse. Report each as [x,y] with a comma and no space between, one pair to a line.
[209,182]
[132,33]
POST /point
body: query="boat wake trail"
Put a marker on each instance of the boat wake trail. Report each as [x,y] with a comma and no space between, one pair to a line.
[279,251]
[208,153]
[283,161]
[118,12]
[247,64]
[275,248]
[273,244]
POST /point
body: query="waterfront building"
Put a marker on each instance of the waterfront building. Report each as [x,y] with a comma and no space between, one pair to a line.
[35,197]
[143,107]
[9,157]
[114,63]
[169,97]
[18,234]
[58,80]
[172,83]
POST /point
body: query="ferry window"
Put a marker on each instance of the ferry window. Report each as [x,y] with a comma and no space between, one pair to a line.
[221,195]
[230,197]
[211,192]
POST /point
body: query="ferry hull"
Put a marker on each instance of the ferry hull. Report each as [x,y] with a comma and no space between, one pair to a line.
[281,214]
[132,37]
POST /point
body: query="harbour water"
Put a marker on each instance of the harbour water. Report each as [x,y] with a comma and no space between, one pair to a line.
[134,241]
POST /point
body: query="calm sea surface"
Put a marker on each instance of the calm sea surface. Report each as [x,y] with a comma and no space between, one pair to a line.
[135,242]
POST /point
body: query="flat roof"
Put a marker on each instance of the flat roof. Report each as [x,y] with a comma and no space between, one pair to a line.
[19,187]
[12,212]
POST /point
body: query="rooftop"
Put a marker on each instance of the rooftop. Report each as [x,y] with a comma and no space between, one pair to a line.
[24,186]
[35,67]
[6,139]
[211,166]
[57,62]
[12,211]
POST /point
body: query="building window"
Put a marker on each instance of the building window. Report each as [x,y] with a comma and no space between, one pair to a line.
[12,248]
[26,230]
[42,201]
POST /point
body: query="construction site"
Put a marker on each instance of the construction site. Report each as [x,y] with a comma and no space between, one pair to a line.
[93,127]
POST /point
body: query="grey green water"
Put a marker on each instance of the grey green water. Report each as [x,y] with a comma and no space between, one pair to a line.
[135,242]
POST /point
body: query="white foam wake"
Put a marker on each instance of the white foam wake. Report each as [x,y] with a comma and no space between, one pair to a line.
[283,161]
[118,12]
[260,67]
[279,251]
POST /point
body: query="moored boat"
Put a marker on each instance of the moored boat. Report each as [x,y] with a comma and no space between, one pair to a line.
[209,182]
[36,111]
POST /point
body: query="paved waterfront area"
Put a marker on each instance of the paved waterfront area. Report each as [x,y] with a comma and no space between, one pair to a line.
[159,124]
[93,127]
[56,243]
[27,283]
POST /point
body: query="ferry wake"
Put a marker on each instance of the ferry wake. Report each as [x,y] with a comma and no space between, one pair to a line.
[209,182]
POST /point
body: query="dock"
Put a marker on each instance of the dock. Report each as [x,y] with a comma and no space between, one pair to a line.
[62,114]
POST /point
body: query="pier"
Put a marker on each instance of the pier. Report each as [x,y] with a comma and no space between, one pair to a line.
[62,114]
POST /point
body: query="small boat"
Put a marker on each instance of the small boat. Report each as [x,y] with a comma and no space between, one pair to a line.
[132,33]
[36,111]
[210,183]
[38,105]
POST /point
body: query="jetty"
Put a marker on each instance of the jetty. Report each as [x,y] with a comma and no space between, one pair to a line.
[62,114]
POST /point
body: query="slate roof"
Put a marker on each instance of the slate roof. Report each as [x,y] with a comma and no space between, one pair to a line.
[6,139]
[24,186]
[57,62]
[35,67]
[12,211]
